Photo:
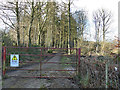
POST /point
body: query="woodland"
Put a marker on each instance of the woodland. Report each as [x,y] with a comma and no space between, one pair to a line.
[50,24]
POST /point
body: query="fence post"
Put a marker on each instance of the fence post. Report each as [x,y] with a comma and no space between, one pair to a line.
[106,74]
[4,59]
[79,51]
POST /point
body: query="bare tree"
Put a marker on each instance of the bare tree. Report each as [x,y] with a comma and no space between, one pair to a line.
[103,21]
[81,18]
[31,21]
[97,21]
[11,12]
[41,20]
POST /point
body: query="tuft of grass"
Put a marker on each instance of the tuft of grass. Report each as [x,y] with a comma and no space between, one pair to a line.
[65,60]
[5,77]
[43,87]
[84,81]
[44,74]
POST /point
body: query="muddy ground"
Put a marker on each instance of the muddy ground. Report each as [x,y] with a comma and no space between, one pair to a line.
[17,82]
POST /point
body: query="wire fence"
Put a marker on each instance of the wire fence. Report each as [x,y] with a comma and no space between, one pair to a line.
[97,74]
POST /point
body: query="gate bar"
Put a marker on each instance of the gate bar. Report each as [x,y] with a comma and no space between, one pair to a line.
[39,47]
[42,77]
[41,55]
[36,69]
[47,62]
[4,59]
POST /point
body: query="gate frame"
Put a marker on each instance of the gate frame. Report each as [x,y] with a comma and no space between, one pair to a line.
[78,52]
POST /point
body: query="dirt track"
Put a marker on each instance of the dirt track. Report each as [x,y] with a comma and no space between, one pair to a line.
[37,82]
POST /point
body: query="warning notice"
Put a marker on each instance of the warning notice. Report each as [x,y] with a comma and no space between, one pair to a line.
[14,60]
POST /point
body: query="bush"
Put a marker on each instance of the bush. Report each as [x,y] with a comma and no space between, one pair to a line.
[50,51]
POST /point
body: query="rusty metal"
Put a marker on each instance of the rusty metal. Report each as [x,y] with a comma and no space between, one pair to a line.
[36,69]
[47,62]
[41,55]
[41,64]
[44,77]
[79,51]
[42,50]
[39,47]
[76,61]
[22,69]
[4,59]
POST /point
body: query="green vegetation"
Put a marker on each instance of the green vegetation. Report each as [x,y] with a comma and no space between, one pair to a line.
[50,24]
[43,87]
[7,63]
[50,51]
[5,77]
[85,80]
[65,60]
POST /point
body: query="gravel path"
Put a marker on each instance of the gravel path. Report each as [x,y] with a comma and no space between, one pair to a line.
[16,82]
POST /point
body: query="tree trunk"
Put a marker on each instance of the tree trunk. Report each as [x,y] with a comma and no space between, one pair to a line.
[23,37]
[30,27]
[69,27]
[60,40]
[31,22]
[39,39]
[74,43]
[97,42]
[103,40]
[18,20]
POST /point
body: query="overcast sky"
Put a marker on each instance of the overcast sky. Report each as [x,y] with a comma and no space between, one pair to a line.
[90,6]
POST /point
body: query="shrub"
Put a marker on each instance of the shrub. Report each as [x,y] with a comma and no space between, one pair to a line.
[50,51]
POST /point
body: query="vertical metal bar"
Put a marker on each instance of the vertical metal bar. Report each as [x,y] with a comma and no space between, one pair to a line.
[79,51]
[41,63]
[4,59]
[76,62]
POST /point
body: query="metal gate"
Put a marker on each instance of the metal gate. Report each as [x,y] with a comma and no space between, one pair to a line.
[29,56]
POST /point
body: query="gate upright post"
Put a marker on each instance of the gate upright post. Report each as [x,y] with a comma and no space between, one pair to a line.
[76,61]
[4,59]
[79,51]
[41,63]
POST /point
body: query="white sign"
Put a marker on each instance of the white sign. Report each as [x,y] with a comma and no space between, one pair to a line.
[14,60]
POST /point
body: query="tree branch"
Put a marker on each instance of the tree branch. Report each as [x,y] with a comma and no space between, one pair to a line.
[6,23]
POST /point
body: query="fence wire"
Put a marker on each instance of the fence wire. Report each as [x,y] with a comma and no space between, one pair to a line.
[93,74]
